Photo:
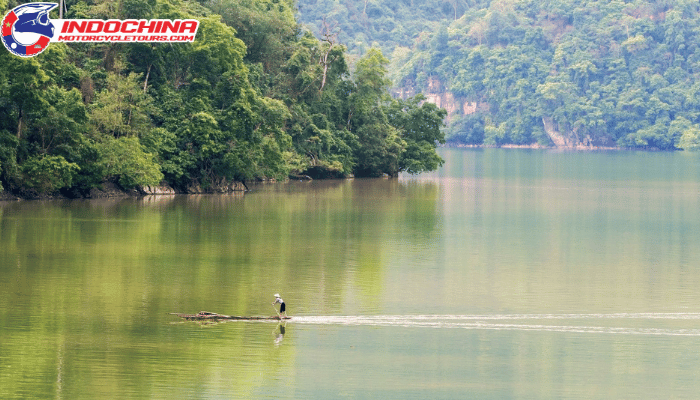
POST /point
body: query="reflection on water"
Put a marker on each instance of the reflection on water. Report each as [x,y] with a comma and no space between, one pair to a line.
[279,332]
[506,274]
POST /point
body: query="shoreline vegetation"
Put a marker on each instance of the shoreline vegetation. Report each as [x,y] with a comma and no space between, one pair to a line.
[113,190]
[256,97]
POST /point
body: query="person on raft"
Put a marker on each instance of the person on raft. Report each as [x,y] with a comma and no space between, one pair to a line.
[283,309]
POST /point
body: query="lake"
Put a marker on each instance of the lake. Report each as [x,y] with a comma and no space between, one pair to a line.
[508,273]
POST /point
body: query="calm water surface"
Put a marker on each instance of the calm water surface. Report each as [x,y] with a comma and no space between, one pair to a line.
[506,274]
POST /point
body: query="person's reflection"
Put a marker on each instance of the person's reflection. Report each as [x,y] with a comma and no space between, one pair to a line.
[279,332]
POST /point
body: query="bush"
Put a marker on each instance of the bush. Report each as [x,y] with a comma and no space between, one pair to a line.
[125,159]
[47,174]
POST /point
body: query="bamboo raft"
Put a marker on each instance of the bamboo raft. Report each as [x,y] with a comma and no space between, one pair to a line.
[210,316]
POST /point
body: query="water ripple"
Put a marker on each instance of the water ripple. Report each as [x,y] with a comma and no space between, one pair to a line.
[495,322]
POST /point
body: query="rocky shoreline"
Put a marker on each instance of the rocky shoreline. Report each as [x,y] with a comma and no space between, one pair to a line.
[113,190]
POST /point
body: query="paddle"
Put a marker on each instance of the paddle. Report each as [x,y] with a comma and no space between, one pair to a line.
[278,313]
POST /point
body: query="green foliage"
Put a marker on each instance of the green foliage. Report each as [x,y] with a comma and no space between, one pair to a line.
[125,160]
[605,73]
[253,97]
[380,145]
[393,135]
[420,126]
[48,174]
[687,132]
[370,76]
[467,129]
[122,107]
[379,151]
[267,27]
[8,156]
[387,24]
[56,128]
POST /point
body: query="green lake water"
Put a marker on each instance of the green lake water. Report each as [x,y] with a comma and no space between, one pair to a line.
[523,274]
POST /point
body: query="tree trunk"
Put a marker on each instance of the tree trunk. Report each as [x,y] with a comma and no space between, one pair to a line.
[331,38]
[145,82]
[20,123]
[325,71]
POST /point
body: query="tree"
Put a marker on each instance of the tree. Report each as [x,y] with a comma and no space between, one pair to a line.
[57,128]
[267,27]
[380,145]
[24,79]
[379,151]
[47,174]
[125,160]
[122,108]
[8,157]
[420,126]
[687,134]
[329,38]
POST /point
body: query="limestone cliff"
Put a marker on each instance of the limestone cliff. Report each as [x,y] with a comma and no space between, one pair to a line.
[571,139]
[437,94]
[457,106]
[557,138]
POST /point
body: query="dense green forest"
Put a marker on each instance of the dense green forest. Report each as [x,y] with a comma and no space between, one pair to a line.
[256,96]
[585,72]
[386,24]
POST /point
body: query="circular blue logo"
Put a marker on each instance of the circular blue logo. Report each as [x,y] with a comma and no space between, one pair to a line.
[27,29]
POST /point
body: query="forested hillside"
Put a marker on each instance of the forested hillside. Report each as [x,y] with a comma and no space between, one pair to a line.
[569,73]
[382,23]
[254,97]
